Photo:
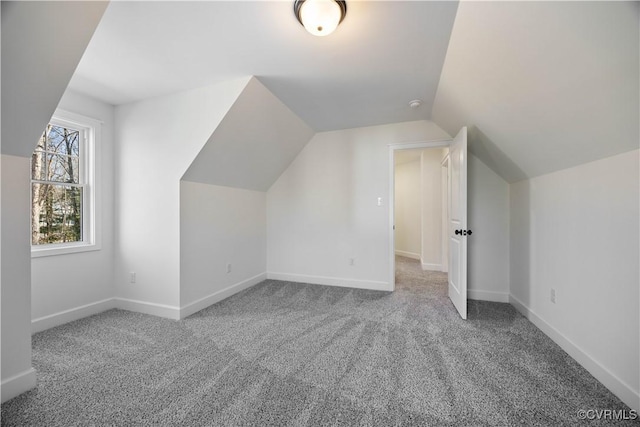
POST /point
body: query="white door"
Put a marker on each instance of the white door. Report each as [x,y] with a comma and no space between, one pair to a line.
[458,222]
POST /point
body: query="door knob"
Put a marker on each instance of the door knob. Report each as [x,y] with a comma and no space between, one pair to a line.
[458,232]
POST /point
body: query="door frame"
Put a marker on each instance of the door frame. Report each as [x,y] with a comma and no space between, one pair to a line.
[392,169]
[444,174]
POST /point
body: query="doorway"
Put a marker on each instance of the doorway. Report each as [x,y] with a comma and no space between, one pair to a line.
[456,227]
[419,207]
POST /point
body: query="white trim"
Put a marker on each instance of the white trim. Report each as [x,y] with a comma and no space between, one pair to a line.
[160,310]
[601,373]
[66,316]
[18,384]
[202,303]
[391,285]
[52,249]
[493,296]
[408,254]
[444,232]
[330,281]
[430,267]
[435,143]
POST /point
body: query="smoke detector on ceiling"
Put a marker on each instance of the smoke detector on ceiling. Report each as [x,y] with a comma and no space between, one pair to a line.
[416,103]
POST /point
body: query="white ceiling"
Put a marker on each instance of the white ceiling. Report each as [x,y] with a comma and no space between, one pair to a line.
[543,86]
[36,67]
[383,55]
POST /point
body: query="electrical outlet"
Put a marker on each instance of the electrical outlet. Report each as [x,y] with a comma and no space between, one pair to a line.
[552,296]
[132,277]
[229,267]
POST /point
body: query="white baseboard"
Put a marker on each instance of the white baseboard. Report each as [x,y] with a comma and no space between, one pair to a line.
[487,295]
[160,310]
[408,254]
[617,386]
[66,316]
[331,281]
[431,267]
[18,384]
[202,303]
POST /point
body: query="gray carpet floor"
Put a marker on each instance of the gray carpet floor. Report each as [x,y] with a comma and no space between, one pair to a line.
[284,353]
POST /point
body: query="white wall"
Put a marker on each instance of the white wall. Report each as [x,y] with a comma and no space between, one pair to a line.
[488,246]
[407,209]
[17,374]
[30,94]
[322,210]
[65,282]
[156,141]
[431,164]
[577,231]
[219,225]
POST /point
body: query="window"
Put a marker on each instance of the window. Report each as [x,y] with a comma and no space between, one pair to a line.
[63,200]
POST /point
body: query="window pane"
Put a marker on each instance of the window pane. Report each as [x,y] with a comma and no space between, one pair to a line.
[39,166]
[56,214]
[56,157]
[42,143]
[62,168]
[62,140]
[73,171]
[54,137]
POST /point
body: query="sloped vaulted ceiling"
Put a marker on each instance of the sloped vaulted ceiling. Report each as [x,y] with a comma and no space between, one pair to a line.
[255,142]
[38,62]
[543,86]
[383,55]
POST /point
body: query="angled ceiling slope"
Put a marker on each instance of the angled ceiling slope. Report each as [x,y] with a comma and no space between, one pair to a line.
[38,61]
[544,86]
[384,54]
[253,144]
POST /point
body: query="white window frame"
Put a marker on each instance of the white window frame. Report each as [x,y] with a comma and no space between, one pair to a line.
[90,178]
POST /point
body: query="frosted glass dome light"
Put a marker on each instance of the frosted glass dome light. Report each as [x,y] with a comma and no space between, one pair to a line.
[320,17]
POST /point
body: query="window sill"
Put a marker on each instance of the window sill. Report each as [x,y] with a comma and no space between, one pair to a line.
[62,249]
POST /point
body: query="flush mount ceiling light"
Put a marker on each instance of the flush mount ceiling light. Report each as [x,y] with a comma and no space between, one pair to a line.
[320,17]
